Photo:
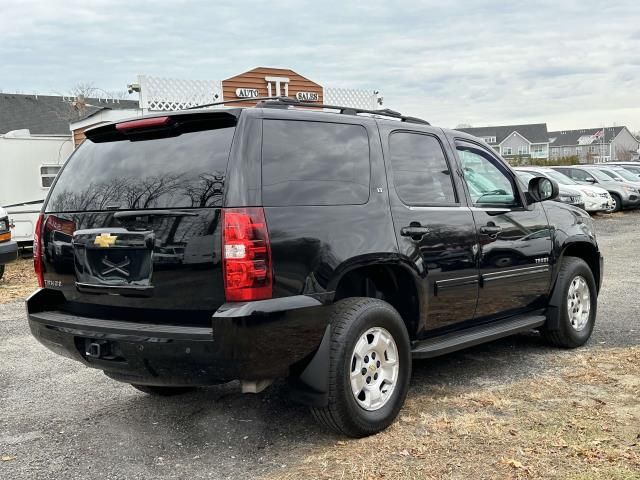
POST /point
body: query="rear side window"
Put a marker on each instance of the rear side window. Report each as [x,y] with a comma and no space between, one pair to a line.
[314,163]
[186,171]
[421,173]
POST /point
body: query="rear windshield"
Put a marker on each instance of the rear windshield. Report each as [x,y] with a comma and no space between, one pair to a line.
[186,171]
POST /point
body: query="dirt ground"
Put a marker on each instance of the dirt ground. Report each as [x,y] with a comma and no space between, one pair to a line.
[18,281]
[580,421]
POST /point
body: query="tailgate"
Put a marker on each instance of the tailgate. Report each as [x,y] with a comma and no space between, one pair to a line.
[133,219]
[160,260]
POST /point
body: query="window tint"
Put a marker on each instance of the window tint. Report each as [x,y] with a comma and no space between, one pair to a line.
[561,178]
[623,174]
[600,175]
[487,182]
[609,174]
[420,171]
[174,172]
[314,163]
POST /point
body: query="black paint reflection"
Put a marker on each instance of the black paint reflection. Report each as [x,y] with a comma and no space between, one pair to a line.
[150,247]
[514,263]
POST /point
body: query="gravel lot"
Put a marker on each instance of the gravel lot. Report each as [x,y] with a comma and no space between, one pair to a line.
[61,420]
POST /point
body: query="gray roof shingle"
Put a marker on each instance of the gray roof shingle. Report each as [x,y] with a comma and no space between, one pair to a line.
[534,132]
[49,114]
[570,137]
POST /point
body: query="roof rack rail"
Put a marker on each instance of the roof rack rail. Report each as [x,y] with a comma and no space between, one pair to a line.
[293,102]
[279,102]
[238,100]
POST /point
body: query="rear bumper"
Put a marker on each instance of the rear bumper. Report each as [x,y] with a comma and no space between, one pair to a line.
[272,341]
[8,252]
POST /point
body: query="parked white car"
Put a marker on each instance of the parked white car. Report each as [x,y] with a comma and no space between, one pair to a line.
[595,199]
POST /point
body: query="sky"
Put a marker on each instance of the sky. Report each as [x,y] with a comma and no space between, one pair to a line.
[572,64]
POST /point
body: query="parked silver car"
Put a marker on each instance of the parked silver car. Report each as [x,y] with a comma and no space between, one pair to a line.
[623,194]
[633,167]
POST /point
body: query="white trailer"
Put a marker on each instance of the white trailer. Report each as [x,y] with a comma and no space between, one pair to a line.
[28,165]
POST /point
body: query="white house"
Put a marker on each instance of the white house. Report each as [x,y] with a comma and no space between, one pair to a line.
[531,140]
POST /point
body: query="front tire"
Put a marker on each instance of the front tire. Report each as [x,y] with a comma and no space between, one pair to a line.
[370,367]
[616,203]
[578,305]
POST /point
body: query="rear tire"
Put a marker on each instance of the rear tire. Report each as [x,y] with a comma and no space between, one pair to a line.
[370,354]
[162,391]
[578,305]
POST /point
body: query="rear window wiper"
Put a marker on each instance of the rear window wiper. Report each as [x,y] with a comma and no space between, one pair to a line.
[154,213]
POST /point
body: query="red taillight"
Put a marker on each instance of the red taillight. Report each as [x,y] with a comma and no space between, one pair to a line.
[37,251]
[246,255]
[143,123]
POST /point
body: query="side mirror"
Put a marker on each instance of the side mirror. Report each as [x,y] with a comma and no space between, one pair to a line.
[543,188]
[590,180]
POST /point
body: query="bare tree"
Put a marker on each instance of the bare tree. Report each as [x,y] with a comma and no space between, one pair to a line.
[623,155]
[81,96]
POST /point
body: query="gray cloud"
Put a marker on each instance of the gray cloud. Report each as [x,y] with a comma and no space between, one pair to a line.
[571,64]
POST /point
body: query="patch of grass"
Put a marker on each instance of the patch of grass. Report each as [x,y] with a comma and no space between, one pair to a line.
[18,281]
[581,421]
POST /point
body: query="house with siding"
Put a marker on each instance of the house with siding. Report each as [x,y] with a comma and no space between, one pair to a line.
[594,145]
[529,141]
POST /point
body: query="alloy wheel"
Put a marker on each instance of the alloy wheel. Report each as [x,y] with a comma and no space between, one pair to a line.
[578,303]
[374,368]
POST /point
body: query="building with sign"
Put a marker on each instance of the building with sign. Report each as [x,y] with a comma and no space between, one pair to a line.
[271,82]
[167,94]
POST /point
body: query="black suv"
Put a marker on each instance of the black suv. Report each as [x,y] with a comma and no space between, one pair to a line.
[203,246]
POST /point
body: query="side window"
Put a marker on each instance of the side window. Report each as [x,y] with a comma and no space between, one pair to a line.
[314,163]
[421,174]
[47,174]
[488,183]
[580,175]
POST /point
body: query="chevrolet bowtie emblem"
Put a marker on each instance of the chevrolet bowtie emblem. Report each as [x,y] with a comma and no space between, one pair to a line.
[105,240]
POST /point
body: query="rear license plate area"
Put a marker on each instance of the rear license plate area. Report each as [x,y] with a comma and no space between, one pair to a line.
[113,258]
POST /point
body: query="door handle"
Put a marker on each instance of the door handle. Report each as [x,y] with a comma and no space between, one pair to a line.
[490,230]
[414,231]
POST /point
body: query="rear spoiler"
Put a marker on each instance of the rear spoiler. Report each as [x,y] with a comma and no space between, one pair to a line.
[169,124]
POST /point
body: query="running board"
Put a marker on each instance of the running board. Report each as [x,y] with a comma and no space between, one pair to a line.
[469,337]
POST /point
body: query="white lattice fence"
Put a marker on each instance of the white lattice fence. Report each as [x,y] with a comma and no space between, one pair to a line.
[349,97]
[167,94]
